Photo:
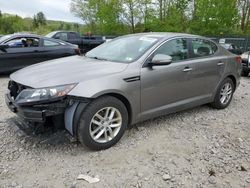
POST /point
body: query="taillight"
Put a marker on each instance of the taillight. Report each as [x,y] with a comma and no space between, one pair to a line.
[238,59]
[78,51]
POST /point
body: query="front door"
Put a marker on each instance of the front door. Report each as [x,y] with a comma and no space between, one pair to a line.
[168,88]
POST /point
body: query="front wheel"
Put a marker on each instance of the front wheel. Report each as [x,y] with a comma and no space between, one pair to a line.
[102,123]
[224,94]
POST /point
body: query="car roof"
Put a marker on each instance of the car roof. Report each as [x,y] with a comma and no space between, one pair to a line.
[165,35]
[25,35]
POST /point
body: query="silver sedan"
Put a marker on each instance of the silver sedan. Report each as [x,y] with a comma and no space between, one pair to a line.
[122,82]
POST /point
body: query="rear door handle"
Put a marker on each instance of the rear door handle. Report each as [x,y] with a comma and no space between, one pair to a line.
[220,63]
[187,69]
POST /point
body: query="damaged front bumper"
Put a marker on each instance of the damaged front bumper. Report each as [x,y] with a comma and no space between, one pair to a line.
[36,113]
[56,112]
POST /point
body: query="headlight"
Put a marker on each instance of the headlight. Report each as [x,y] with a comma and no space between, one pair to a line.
[43,94]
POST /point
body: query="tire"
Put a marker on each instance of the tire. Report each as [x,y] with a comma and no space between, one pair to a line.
[218,100]
[93,118]
[244,73]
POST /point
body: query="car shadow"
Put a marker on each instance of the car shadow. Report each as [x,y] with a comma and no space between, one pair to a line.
[4,76]
[36,134]
[48,138]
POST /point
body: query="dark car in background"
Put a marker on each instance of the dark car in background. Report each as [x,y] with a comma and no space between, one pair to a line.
[20,50]
[85,43]
[232,48]
[245,64]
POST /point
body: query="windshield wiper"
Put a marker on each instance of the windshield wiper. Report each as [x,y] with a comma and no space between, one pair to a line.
[98,58]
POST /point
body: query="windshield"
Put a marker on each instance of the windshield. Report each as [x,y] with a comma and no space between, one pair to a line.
[125,49]
[3,38]
[227,46]
[51,34]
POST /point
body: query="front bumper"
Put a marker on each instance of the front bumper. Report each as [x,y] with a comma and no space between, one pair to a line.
[36,113]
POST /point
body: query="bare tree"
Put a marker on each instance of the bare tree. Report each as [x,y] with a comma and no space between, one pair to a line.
[244,10]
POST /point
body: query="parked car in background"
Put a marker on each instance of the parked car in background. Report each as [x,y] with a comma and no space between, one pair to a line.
[245,63]
[85,43]
[20,50]
[232,48]
[125,81]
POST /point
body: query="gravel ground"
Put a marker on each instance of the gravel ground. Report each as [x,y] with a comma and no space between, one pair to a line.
[201,147]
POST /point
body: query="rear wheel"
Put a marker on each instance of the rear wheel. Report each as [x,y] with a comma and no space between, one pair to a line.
[224,94]
[244,73]
[102,123]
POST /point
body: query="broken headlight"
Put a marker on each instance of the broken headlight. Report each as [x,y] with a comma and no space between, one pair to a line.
[43,94]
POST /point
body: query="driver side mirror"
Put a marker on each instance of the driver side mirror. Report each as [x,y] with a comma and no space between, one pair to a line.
[3,47]
[160,60]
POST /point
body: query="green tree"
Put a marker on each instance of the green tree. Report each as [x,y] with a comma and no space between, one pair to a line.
[86,10]
[39,20]
[213,17]
[100,16]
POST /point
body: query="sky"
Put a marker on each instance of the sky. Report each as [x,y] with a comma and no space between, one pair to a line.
[53,9]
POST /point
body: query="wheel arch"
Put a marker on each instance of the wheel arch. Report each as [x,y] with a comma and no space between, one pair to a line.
[232,77]
[82,105]
[124,100]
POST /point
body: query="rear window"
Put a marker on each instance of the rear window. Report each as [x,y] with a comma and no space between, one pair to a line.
[49,43]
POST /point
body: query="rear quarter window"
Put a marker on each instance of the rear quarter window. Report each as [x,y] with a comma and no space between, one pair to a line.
[49,43]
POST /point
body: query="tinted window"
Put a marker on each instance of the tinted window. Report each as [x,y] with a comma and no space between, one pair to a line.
[203,47]
[23,42]
[176,48]
[72,36]
[62,36]
[49,43]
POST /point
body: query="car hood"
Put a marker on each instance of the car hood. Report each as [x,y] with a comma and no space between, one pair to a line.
[63,71]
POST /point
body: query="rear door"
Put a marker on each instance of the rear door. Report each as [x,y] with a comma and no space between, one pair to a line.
[52,49]
[208,66]
[74,38]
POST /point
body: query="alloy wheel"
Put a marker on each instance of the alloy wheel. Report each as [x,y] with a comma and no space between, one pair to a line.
[226,93]
[105,125]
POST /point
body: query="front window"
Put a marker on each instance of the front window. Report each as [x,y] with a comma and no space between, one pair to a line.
[23,42]
[62,36]
[125,49]
[176,48]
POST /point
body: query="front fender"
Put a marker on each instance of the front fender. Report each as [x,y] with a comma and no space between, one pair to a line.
[112,85]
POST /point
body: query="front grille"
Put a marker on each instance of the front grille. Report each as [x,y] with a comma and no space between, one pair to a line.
[15,88]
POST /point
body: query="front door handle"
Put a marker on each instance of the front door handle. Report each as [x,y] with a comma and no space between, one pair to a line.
[187,69]
[220,63]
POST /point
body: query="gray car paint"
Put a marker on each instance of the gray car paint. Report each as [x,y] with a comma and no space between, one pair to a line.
[160,90]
